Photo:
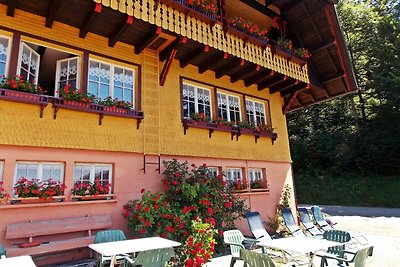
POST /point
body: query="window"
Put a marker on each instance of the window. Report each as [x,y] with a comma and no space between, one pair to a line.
[1,170]
[67,72]
[28,66]
[4,55]
[214,171]
[255,112]
[228,107]
[90,172]
[195,100]
[39,170]
[110,80]
[255,175]
[233,174]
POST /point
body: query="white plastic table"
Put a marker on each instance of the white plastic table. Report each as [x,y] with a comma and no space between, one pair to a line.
[112,249]
[300,245]
[25,261]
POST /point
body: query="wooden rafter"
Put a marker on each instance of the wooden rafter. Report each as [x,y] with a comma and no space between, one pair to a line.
[243,73]
[338,75]
[172,54]
[167,51]
[113,39]
[236,64]
[292,97]
[92,16]
[11,5]
[288,84]
[259,77]
[148,39]
[322,46]
[198,53]
[262,8]
[51,14]
[299,87]
[275,81]
[214,61]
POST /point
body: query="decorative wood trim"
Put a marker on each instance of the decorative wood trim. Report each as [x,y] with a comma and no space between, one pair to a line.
[113,39]
[148,39]
[92,16]
[15,46]
[51,15]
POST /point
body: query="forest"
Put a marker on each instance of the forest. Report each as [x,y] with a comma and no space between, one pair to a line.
[347,151]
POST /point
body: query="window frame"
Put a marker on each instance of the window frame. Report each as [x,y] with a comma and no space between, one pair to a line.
[253,106]
[228,108]
[214,169]
[58,70]
[39,170]
[8,53]
[19,66]
[112,66]
[232,170]
[196,87]
[92,172]
[253,171]
[1,170]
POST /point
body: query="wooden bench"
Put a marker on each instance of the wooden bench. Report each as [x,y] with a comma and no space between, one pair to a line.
[50,228]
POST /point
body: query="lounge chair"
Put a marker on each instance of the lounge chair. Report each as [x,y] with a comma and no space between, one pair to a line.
[236,241]
[256,226]
[254,259]
[290,223]
[320,219]
[307,223]
[2,252]
[109,236]
[151,258]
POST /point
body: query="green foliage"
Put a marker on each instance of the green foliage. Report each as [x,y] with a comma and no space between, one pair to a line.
[285,197]
[191,193]
[18,83]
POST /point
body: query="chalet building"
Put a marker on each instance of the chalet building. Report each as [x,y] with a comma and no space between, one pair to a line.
[178,62]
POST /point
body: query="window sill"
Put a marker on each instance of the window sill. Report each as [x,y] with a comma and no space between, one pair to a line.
[234,130]
[98,109]
[65,201]
[252,192]
[22,97]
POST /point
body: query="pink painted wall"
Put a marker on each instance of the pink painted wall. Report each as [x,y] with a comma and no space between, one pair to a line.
[128,179]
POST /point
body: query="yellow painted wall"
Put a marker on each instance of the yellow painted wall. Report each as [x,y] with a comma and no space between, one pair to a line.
[161,132]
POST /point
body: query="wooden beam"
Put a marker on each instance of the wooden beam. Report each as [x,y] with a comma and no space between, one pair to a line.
[299,87]
[292,97]
[177,43]
[148,39]
[91,17]
[262,8]
[237,63]
[196,54]
[113,39]
[51,14]
[338,75]
[11,5]
[288,84]
[243,73]
[259,77]
[15,46]
[272,82]
[174,45]
[314,25]
[322,46]
[269,2]
[209,64]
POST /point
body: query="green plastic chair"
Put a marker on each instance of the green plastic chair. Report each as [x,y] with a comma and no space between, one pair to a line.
[336,251]
[151,258]
[236,241]
[254,259]
[359,258]
[109,236]
[307,223]
[2,252]
[290,223]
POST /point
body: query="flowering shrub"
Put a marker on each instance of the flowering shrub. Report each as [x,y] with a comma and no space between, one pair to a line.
[3,193]
[248,27]
[259,184]
[36,188]
[19,84]
[110,102]
[222,121]
[264,128]
[304,53]
[190,193]
[73,94]
[237,184]
[200,117]
[91,189]
[206,5]
[199,246]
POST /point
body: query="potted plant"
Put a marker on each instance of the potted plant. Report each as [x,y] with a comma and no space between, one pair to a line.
[3,194]
[237,185]
[20,88]
[35,191]
[248,31]
[204,10]
[258,185]
[91,190]
[75,97]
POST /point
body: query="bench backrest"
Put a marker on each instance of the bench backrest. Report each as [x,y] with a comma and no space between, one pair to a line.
[59,226]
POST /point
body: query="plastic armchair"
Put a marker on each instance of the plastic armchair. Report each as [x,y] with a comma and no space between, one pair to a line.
[290,223]
[236,241]
[109,236]
[359,258]
[307,223]
[254,259]
[151,258]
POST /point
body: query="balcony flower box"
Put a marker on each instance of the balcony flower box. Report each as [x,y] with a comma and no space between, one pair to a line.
[280,51]
[23,95]
[251,38]
[77,104]
[115,110]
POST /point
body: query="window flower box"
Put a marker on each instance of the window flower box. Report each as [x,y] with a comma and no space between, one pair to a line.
[36,200]
[24,97]
[93,197]
[35,191]
[115,110]
[3,201]
[280,51]
[258,37]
